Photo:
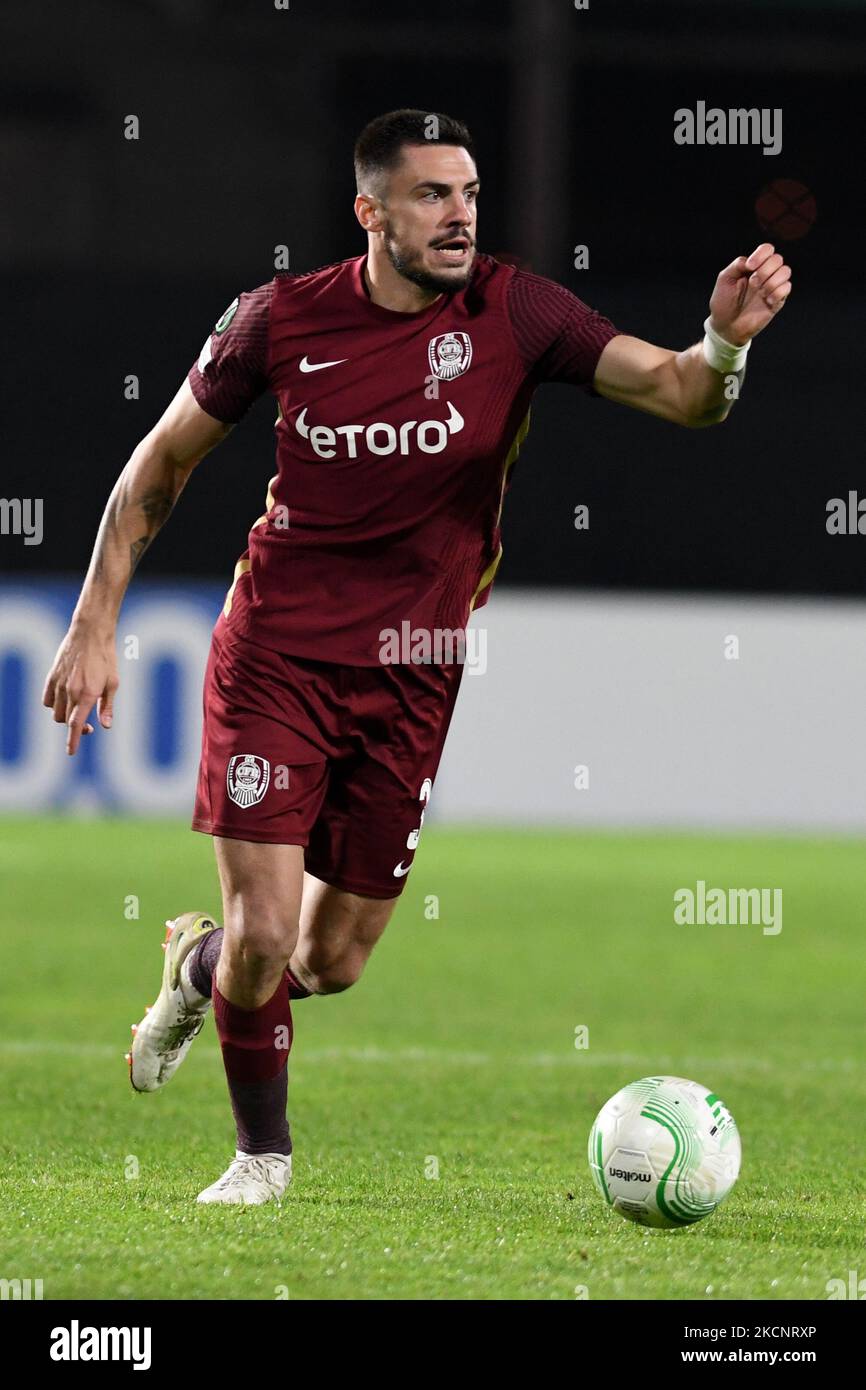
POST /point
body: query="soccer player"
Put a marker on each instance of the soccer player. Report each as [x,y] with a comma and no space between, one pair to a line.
[403,379]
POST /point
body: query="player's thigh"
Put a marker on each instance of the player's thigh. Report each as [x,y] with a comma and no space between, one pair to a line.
[338,931]
[262,886]
[364,839]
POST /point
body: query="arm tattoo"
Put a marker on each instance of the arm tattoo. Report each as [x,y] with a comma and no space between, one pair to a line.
[136,550]
[157,504]
[150,509]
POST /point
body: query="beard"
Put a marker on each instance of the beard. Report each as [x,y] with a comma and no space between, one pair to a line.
[409,264]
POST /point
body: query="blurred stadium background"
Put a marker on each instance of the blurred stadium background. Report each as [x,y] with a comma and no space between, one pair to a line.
[605,648]
[118,255]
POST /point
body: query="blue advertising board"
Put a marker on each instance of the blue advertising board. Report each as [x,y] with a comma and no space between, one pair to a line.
[146,763]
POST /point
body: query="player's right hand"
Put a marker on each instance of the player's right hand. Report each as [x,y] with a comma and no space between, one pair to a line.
[84,672]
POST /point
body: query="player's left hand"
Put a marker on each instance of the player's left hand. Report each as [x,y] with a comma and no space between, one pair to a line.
[749,293]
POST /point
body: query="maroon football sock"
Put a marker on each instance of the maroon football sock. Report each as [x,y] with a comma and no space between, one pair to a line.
[203,963]
[255,1046]
[296,989]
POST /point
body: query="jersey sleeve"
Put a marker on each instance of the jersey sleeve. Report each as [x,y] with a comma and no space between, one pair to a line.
[559,338]
[231,371]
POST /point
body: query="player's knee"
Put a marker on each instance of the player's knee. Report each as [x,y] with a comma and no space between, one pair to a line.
[337,941]
[335,981]
[257,934]
[331,976]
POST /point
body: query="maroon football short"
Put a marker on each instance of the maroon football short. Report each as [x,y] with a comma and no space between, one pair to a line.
[339,759]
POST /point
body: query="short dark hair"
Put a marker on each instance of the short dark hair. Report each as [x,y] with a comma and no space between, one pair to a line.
[379,147]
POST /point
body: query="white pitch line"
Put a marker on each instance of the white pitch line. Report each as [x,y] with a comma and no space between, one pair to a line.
[577,1059]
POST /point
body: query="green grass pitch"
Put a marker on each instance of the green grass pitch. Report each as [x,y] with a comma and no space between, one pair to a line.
[456,1050]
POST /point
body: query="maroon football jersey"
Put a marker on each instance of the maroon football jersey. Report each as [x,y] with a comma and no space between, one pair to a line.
[396,435]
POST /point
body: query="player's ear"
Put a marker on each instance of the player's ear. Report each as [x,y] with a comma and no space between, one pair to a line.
[368,211]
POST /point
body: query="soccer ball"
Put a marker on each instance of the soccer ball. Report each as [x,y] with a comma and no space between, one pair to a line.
[664,1151]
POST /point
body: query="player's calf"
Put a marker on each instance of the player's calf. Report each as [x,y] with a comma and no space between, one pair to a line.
[338,931]
[261,886]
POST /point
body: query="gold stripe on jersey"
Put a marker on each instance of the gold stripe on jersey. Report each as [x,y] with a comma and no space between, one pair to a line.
[487,576]
[243,566]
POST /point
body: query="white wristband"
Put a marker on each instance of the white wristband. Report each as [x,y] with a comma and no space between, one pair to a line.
[721,355]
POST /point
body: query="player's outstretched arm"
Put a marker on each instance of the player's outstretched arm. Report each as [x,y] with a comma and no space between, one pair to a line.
[693,387]
[85,667]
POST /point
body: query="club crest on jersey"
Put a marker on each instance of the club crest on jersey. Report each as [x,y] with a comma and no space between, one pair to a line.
[450,355]
[247,778]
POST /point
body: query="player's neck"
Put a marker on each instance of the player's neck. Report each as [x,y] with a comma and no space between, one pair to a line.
[391,290]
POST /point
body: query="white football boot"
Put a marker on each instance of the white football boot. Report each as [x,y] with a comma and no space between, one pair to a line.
[250,1180]
[162,1039]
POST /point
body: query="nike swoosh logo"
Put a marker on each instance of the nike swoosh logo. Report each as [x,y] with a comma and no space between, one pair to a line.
[307,366]
[400,871]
